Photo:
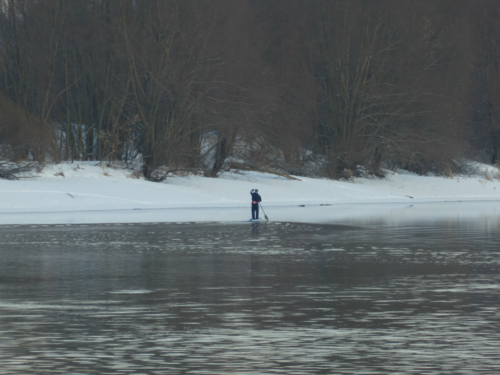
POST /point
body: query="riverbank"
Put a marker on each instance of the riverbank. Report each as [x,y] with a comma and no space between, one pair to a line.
[71,193]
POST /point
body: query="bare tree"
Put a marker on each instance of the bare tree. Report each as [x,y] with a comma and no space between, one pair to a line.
[376,80]
[486,34]
[18,138]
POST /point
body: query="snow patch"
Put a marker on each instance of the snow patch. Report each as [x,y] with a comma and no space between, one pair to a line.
[90,194]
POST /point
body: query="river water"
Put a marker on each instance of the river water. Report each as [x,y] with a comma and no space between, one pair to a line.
[277,298]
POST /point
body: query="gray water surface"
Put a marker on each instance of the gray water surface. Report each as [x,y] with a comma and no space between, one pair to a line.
[258,298]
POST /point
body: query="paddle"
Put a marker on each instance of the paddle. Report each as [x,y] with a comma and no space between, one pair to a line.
[267,219]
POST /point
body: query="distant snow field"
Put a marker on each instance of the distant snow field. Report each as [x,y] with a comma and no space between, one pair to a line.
[84,192]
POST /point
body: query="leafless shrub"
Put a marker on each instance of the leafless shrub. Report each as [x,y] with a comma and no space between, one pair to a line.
[16,142]
[492,174]
[488,175]
[135,174]
[105,171]
[497,172]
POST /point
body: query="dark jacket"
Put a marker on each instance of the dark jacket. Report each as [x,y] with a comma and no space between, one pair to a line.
[256,197]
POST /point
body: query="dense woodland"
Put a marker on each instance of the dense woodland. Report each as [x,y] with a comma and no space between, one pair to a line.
[330,88]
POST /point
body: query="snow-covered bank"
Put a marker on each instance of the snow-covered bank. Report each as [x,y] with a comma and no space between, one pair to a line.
[87,193]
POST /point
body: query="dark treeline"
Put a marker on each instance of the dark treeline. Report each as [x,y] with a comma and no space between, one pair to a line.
[311,87]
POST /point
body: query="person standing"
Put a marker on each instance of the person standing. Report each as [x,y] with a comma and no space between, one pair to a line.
[256,199]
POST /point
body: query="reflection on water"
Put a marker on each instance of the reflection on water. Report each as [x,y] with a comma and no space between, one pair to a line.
[274,298]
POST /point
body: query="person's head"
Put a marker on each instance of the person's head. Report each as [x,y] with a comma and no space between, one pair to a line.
[256,190]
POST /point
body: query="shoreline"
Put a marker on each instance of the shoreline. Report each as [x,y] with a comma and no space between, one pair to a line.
[85,193]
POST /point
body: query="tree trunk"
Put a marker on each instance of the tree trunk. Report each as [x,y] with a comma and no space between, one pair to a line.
[495,133]
[496,149]
[222,152]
